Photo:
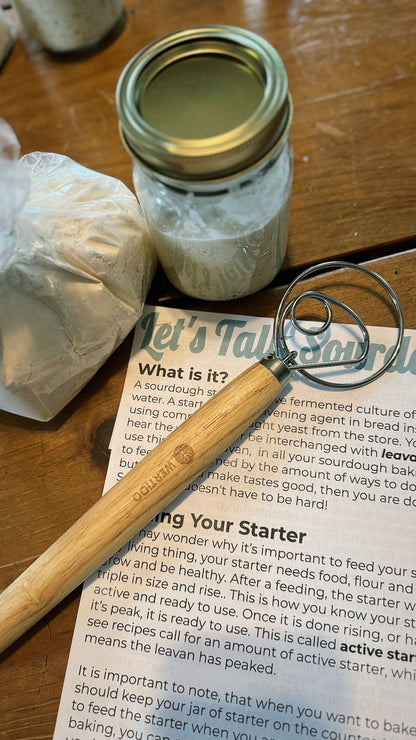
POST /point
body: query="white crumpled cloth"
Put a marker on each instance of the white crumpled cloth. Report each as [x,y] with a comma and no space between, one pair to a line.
[76,263]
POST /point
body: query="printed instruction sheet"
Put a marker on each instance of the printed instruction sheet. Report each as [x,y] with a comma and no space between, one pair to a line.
[275,598]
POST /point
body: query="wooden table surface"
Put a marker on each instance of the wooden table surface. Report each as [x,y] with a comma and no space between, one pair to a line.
[351,70]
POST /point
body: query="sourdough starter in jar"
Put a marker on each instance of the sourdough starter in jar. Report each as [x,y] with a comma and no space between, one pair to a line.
[205,115]
[226,244]
[68,25]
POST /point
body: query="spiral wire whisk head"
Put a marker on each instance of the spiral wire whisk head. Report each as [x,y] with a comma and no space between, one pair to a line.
[286,315]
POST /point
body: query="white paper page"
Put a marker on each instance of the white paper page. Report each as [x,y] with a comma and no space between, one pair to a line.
[275,598]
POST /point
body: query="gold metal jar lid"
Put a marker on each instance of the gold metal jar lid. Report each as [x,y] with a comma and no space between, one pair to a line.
[204,103]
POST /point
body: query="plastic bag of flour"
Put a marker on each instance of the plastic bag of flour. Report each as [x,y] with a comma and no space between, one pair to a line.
[76,263]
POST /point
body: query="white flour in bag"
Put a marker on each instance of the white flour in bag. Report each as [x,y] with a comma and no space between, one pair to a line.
[75,270]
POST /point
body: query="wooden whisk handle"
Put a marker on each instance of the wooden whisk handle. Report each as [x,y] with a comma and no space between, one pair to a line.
[132,502]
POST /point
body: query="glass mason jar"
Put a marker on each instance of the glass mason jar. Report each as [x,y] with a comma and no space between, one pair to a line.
[205,114]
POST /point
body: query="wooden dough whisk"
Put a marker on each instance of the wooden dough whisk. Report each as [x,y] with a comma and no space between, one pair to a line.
[180,458]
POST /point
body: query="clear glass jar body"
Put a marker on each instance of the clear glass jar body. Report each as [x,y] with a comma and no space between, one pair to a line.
[68,25]
[220,240]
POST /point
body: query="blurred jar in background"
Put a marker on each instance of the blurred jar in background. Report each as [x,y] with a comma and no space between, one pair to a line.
[68,25]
